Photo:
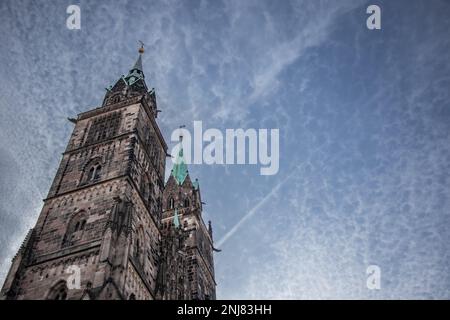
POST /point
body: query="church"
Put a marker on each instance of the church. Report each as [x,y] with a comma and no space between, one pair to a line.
[111,218]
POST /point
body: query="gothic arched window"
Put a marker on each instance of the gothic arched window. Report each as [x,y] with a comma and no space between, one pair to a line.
[92,172]
[58,292]
[186,202]
[82,223]
[98,171]
[75,229]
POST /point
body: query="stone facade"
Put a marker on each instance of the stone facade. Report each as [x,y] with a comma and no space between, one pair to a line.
[110,228]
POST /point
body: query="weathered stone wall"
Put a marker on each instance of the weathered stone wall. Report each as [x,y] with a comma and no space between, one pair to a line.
[111,153]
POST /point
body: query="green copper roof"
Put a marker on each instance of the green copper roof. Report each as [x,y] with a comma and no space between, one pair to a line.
[180,170]
[195,184]
[136,73]
[138,64]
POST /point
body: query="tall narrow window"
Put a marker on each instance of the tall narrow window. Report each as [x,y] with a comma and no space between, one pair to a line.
[171,203]
[98,171]
[186,203]
[138,248]
[91,173]
[94,173]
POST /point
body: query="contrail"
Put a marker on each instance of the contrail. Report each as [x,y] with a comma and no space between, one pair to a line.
[255,208]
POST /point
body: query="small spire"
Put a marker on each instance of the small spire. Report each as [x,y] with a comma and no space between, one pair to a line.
[138,64]
[195,184]
[179,170]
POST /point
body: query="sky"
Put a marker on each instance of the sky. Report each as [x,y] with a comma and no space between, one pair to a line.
[363,117]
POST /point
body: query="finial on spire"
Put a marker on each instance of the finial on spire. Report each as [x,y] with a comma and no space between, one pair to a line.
[141,49]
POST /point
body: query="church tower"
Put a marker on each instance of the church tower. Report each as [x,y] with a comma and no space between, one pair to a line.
[100,232]
[187,268]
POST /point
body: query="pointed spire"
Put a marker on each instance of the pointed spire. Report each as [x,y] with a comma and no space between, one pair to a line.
[138,64]
[179,170]
[195,184]
[137,71]
[131,85]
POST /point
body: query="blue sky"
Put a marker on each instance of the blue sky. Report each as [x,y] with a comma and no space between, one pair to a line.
[364,121]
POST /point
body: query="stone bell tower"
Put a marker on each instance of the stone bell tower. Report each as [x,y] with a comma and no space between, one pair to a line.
[98,234]
[187,267]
